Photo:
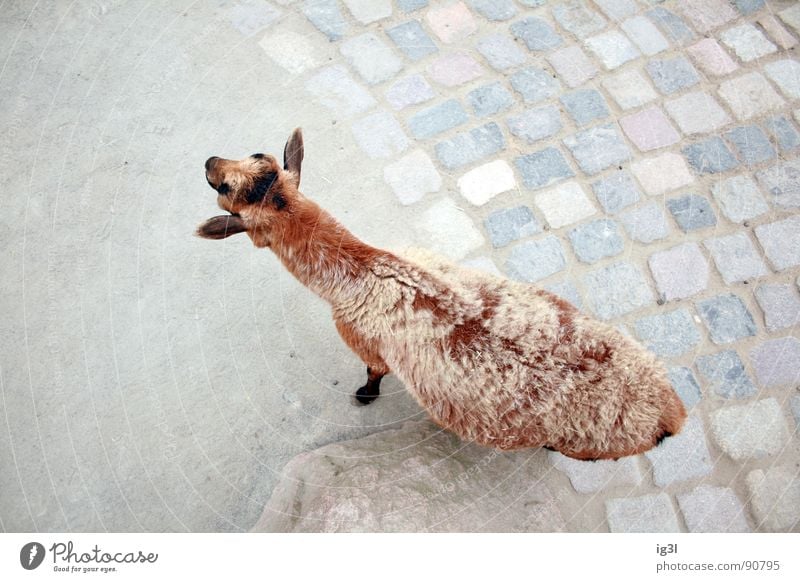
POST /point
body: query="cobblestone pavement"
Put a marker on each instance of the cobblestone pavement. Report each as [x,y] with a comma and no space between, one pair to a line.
[638,158]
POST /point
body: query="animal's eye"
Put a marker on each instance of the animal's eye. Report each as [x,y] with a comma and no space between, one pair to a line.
[257,156]
[223,189]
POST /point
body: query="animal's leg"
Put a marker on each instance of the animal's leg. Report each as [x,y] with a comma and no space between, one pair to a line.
[376,367]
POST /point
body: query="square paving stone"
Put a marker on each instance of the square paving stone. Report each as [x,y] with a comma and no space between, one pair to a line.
[709,509]
[593,477]
[782,131]
[565,204]
[750,431]
[776,361]
[681,457]
[372,59]
[437,119]
[780,304]
[649,129]
[671,25]
[727,318]
[629,89]
[483,183]
[712,58]
[409,91]
[495,10]
[447,230]
[697,113]
[747,42]
[575,17]
[679,272]
[412,39]
[510,224]
[535,124]
[379,135]
[645,514]
[749,95]
[454,69]
[747,7]
[725,375]
[781,242]
[751,144]
[646,223]
[336,90]
[411,5]
[537,34]
[782,181]
[567,291]
[645,35]
[618,9]
[534,84]
[661,174]
[616,192]
[775,497]
[369,11]
[326,16]
[500,51]
[469,147]
[673,74]
[786,74]
[532,261]
[710,156]
[596,240]
[685,385]
[612,48]
[572,65]
[412,176]
[598,148]
[668,334]
[791,16]
[452,22]
[490,99]
[736,257]
[707,15]
[691,212]
[617,289]
[543,167]
[739,198]
[585,106]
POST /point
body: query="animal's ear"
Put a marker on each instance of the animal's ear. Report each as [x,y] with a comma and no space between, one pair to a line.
[221,227]
[293,153]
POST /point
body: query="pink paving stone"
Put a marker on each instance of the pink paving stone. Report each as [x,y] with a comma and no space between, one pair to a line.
[649,129]
[776,31]
[454,69]
[707,15]
[451,23]
[712,58]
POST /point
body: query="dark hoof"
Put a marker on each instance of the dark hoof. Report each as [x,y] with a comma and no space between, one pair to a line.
[365,396]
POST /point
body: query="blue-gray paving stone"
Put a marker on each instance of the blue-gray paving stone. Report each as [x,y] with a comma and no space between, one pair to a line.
[685,385]
[534,84]
[748,7]
[501,51]
[532,3]
[671,25]
[510,224]
[326,16]
[412,39]
[566,290]
[751,143]
[596,240]
[537,34]
[466,148]
[691,212]
[726,375]
[782,181]
[534,260]
[671,75]
[585,106]
[727,318]
[616,192]
[598,148]
[494,9]
[437,119]
[783,131]
[535,124]
[490,99]
[646,223]
[668,334]
[411,5]
[710,156]
[575,17]
[617,289]
[542,168]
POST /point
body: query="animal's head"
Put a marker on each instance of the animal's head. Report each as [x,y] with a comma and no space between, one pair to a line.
[256,191]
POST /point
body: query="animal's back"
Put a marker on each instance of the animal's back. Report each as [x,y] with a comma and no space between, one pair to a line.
[509,365]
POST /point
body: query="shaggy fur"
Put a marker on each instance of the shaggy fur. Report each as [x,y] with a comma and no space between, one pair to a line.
[500,363]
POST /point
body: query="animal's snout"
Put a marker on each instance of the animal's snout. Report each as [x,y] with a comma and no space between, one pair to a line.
[210,162]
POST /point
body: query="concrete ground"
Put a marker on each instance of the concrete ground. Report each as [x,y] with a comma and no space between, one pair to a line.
[637,157]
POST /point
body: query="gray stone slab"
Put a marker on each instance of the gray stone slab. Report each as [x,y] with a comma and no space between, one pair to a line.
[490,99]
[412,39]
[780,304]
[469,147]
[645,514]
[616,192]
[750,431]
[537,34]
[781,242]
[735,257]
[725,374]
[726,318]
[596,240]
[534,124]
[686,386]
[710,156]
[673,74]
[437,119]
[542,168]
[585,106]
[751,144]
[598,148]
[782,182]
[534,260]
[510,224]
[668,334]
[777,362]
[709,509]
[617,289]
[534,84]
[681,457]
[691,212]
[646,223]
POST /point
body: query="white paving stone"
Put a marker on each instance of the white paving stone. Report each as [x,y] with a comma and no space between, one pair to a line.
[593,477]
[750,431]
[739,198]
[572,65]
[412,176]
[786,74]
[292,51]
[645,34]
[775,497]
[483,183]
[379,135]
[629,89]
[368,11]
[709,509]
[447,230]
[662,174]
[749,96]
[681,457]
[646,514]
[336,90]
[697,112]
[371,58]
[747,42]
[612,48]
[564,204]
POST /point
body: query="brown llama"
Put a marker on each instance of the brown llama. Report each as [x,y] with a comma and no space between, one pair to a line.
[498,362]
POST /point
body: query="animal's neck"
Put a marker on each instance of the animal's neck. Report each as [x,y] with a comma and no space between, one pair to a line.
[322,254]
